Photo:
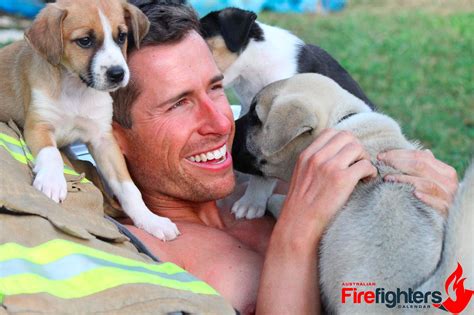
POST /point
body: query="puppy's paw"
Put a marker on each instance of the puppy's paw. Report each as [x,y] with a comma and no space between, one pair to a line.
[160,227]
[49,177]
[132,203]
[249,207]
[52,184]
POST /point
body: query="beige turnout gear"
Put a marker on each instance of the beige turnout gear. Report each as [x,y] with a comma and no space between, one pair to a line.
[68,258]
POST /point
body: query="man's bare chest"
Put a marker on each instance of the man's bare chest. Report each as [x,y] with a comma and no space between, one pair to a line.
[230,260]
[230,266]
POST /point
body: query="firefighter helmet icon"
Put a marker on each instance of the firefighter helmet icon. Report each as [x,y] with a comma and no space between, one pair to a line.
[463,296]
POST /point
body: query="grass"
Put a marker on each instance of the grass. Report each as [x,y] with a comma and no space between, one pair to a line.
[415,61]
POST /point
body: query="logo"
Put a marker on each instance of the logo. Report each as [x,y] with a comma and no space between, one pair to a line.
[457,301]
[463,296]
[398,298]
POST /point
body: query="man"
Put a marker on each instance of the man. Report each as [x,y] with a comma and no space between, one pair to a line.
[175,110]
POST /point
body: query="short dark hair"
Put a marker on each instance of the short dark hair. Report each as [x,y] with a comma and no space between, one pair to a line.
[170,22]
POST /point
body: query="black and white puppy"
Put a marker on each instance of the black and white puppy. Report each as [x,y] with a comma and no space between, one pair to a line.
[252,55]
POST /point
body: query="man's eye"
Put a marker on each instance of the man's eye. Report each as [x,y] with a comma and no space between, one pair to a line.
[177,104]
[85,42]
[217,87]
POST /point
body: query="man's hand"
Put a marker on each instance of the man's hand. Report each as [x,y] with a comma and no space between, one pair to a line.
[435,182]
[324,178]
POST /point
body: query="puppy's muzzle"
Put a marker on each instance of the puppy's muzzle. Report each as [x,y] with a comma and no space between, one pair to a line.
[115,74]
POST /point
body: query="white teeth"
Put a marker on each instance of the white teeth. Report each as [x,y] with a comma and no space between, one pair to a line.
[209,156]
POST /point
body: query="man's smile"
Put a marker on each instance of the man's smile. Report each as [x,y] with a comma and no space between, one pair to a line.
[216,159]
[217,155]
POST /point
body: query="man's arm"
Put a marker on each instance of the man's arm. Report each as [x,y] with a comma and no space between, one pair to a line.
[327,173]
[324,177]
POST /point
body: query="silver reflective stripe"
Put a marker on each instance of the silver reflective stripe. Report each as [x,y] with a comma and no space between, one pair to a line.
[74,265]
[13,148]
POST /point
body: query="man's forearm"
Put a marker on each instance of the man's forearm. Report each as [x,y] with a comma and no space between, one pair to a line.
[323,179]
[289,283]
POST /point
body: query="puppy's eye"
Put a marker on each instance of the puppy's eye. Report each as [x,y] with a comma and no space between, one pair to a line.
[254,117]
[122,37]
[253,103]
[85,42]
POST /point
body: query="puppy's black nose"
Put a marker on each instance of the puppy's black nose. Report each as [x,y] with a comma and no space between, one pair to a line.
[115,74]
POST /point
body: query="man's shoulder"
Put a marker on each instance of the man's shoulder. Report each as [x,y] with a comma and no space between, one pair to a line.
[206,242]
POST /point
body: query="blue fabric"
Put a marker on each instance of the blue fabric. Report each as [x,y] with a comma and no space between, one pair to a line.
[299,6]
[27,8]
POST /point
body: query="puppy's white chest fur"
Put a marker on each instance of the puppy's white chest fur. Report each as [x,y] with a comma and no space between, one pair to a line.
[78,113]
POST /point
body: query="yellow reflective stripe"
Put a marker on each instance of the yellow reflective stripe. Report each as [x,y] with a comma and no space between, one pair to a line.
[9,139]
[23,273]
[17,156]
[92,282]
[27,156]
[70,171]
[20,143]
[58,248]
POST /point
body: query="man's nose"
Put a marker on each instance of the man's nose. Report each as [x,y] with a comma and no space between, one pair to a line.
[214,118]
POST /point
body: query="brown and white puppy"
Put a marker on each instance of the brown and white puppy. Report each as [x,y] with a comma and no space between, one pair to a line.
[56,86]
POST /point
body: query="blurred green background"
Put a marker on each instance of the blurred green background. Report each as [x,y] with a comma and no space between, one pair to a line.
[414,59]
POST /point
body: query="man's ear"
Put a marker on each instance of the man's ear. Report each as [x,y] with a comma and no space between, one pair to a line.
[137,22]
[120,134]
[285,122]
[45,35]
[235,26]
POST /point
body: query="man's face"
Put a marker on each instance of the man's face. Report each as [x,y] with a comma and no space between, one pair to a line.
[180,115]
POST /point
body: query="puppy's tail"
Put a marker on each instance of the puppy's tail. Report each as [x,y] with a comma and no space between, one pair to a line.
[458,245]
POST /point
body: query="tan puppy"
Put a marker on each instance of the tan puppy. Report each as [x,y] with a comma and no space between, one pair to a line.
[383,234]
[56,86]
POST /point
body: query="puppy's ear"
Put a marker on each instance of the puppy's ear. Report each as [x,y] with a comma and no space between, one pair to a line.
[137,22]
[285,122]
[45,35]
[235,26]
